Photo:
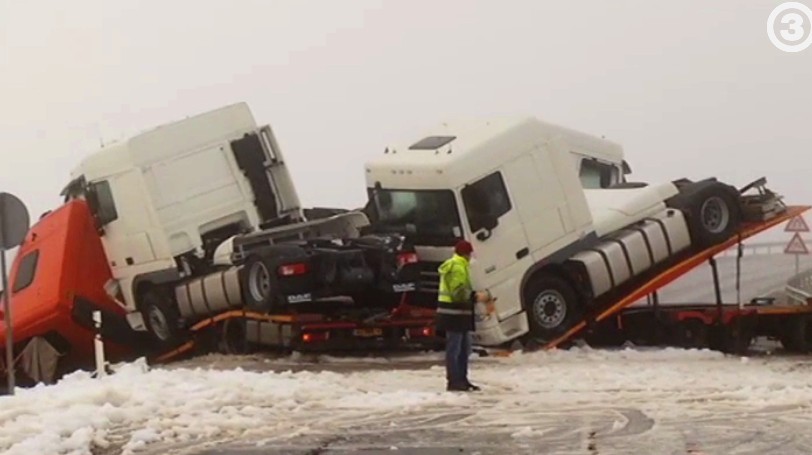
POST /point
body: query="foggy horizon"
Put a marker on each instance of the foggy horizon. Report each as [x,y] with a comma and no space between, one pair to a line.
[689,89]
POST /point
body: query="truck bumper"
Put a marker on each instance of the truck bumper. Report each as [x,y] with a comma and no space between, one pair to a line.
[493,332]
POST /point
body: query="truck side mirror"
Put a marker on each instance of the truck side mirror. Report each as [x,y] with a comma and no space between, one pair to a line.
[100,200]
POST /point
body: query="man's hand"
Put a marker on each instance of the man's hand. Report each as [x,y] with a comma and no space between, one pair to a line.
[483,296]
[489,301]
[490,306]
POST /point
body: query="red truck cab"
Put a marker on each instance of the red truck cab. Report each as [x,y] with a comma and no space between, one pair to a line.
[57,280]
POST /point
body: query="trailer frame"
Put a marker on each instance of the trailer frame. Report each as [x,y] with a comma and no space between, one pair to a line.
[593,320]
[243,331]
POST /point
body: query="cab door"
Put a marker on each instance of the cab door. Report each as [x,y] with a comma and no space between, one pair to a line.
[501,252]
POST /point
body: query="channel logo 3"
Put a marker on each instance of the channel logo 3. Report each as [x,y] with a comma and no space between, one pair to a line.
[789,27]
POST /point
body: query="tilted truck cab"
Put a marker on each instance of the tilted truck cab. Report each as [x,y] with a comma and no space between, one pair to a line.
[57,280]
[166,198]
[201,215]
[548,244]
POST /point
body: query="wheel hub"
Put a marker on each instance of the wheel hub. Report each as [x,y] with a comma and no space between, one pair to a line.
[158,323]
[715,215]
[259,282]
[550,309]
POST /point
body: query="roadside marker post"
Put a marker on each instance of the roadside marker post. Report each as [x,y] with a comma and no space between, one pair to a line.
[98,346]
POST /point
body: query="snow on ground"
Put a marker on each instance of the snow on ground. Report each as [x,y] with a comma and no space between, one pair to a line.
[525,396]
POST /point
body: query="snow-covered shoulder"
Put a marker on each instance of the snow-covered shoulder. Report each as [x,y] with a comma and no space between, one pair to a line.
[141,408]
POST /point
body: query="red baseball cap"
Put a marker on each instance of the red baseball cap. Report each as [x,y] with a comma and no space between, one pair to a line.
[463,247]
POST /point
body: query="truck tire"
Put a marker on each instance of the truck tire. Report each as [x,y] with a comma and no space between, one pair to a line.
[553,307]
[606,334]
[691,334]
[713,213]
[161,316]
[735,337]
[233,337]
[796,336]
[788,344]
[257,283]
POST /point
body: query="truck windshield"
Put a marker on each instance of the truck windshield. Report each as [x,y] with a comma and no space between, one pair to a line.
[429,217]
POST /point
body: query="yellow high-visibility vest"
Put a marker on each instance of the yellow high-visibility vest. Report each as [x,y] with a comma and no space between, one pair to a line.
[455,280]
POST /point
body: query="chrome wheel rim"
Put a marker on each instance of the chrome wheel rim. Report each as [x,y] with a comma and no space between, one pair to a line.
[550,309]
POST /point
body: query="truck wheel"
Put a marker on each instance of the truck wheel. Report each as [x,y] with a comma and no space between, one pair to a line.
[553,307]
[796,337]
[257,283]
[714,215]
[731,338]
[738,342]
[160,315]
[788,344]
[692,334]
[234,339]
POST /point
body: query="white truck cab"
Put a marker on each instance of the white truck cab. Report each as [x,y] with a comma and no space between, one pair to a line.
[179,190]
[201,216]
[550,239]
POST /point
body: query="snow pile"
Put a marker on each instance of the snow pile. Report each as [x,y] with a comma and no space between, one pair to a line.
[524,396]
[185,404]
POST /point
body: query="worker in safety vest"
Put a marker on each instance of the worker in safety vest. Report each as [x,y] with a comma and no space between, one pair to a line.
[455,315]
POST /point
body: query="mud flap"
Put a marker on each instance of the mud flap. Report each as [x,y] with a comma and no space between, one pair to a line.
[39,360]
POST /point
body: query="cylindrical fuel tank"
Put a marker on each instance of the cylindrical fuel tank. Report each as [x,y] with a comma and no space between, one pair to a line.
[209,294]
[629,252]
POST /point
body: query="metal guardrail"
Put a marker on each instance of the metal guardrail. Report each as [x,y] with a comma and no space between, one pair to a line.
[799,288]
[753,249]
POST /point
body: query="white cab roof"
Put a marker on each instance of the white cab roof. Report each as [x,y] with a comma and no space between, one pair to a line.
[153,145]
[458,151]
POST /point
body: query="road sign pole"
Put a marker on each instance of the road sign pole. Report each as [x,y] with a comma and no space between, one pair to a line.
[797,266]
[13,227]
[7,322]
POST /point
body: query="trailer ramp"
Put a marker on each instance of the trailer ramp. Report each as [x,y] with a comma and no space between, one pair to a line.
[767,218]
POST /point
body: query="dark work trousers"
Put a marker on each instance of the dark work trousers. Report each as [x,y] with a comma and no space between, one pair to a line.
[457,352]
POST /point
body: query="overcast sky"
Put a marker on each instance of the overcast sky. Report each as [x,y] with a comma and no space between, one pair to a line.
[689,88]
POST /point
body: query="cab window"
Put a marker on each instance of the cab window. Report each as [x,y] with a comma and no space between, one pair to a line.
[26,272]
[486,199]
[102,203]
[595,174]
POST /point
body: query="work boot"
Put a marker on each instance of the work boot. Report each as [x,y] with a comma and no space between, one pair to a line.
[472,387]
[457,388]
